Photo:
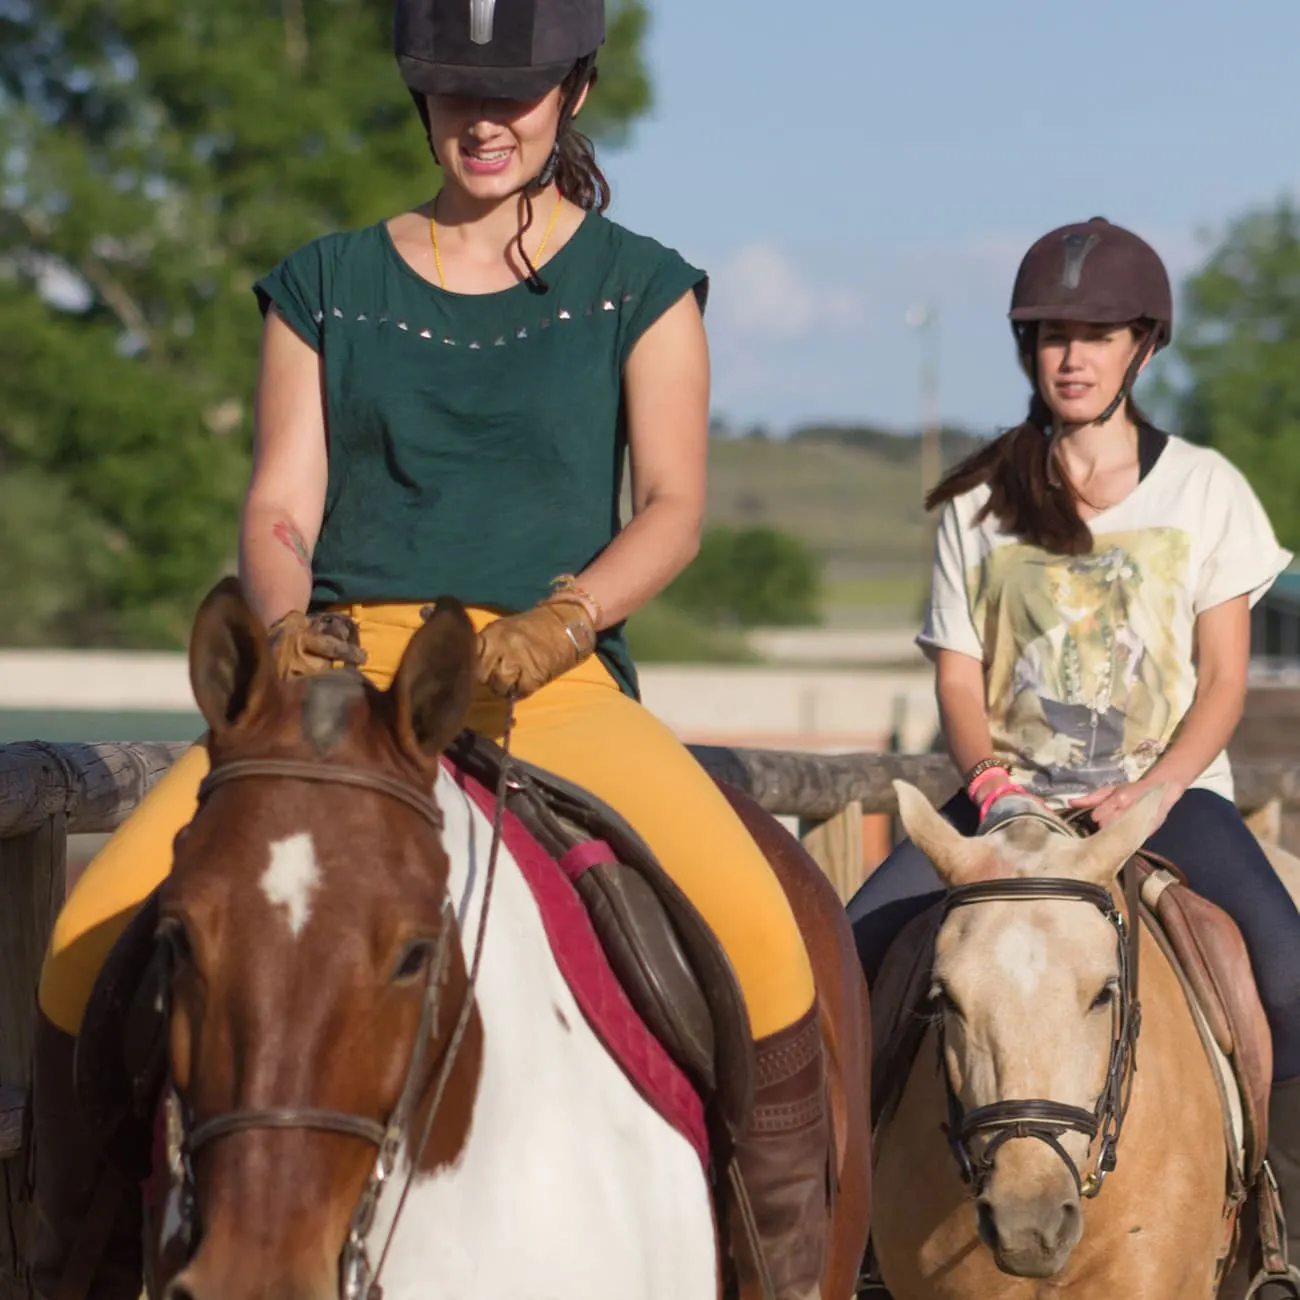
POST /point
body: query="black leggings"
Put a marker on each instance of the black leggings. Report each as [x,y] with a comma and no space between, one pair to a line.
[1204,836]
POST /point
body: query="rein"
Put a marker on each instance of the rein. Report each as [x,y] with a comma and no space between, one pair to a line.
[358,1280]
[1045,1120]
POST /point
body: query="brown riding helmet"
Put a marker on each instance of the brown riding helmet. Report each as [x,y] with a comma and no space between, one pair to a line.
[1096,272]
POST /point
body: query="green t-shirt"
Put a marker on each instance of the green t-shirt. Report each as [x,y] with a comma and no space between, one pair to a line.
[476,441]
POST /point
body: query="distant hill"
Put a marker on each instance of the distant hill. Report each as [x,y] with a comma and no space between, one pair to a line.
[853,494]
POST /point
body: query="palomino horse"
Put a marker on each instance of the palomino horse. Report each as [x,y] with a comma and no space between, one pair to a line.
[335,991]
[1033,1035]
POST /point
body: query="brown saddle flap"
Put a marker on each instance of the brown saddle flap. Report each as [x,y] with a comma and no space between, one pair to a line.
[1216,967]
[668,960]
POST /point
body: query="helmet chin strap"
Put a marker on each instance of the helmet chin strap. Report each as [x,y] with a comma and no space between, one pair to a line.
[547,174]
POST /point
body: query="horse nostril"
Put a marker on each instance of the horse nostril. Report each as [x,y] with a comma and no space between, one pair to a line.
[986,1224]
[1069,1222]
[178,1290]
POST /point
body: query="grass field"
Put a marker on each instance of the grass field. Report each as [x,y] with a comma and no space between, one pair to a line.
[847,504]
[857,506]
[854,498]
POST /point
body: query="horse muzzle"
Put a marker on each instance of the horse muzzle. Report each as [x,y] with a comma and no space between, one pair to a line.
[1031,1236]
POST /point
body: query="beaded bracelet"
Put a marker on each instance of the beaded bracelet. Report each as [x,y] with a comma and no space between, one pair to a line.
[981,767]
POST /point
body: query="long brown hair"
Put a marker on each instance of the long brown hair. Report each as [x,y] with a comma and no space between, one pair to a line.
[577,174]
[1028,501]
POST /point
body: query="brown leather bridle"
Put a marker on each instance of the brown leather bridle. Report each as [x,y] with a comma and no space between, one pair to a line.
[358,1278]
[1048,1121]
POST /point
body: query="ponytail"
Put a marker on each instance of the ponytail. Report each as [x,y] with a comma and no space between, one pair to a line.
[577,173]
[1025,501]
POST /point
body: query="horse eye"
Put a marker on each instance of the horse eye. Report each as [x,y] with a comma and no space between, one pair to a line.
[1105,997]
[414,960]
[942,1000]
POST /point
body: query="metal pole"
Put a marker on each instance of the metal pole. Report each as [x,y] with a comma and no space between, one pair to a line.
[924,318]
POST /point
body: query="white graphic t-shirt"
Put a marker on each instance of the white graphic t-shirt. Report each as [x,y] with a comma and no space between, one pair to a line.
[1088,659]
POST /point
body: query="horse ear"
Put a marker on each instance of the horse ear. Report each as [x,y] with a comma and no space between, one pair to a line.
[958,858]
[1098,858]
[431,688]
[230,659]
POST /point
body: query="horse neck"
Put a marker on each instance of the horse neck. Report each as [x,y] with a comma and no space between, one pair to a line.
[556,1124]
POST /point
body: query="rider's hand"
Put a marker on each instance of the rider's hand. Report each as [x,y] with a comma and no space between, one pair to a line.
[1111,801]
[303,644]
[520,653]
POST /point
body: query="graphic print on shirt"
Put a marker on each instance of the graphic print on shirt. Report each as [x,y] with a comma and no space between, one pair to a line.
[1086,686]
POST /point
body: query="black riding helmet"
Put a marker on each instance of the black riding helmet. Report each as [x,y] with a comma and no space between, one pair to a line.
[1099,273]
[499,49]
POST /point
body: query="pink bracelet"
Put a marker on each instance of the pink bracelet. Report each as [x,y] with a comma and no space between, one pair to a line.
[1009,788]
[985,776]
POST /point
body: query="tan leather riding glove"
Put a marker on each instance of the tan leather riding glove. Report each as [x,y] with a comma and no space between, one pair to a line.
[520,653]
[303,644]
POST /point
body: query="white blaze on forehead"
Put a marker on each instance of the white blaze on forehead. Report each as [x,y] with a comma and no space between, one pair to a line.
[1021,954]
[292,878]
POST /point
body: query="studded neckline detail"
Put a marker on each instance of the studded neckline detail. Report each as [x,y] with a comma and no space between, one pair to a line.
[520,332]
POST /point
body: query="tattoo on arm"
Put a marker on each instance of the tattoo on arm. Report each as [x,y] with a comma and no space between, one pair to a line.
[288,535]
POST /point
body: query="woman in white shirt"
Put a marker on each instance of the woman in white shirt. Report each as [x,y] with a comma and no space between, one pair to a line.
[1089,622]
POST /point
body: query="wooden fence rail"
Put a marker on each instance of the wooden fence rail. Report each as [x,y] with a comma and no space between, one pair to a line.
[50,791]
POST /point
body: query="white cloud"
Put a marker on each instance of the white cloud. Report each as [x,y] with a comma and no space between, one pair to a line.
[759,292]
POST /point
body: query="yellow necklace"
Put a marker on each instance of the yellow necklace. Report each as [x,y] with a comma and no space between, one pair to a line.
[537,256]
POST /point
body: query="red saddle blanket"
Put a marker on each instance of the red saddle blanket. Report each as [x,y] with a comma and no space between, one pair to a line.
[586,970]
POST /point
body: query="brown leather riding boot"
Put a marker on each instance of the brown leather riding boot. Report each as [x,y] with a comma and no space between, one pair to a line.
[85,1226]
[783,1157]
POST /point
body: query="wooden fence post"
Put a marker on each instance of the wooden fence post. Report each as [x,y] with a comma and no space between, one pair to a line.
[32,882]
[836,846]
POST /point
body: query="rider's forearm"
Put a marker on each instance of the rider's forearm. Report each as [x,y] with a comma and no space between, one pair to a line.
[643,559]
[959,687]
[274,562]
[1205,731]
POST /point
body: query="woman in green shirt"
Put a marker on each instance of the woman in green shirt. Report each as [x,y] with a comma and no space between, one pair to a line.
[444,404]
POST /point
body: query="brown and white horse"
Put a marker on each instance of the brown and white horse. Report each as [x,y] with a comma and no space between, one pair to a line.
[324,914]
[1025,1073]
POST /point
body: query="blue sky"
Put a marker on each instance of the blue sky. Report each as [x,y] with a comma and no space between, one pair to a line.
[832,162]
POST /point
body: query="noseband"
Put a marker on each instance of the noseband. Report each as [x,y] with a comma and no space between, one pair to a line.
[358,1280]
[1048,1121]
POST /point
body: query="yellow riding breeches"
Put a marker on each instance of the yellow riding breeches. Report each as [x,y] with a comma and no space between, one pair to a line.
[581,727]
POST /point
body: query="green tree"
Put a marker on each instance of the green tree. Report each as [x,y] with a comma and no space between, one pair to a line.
[155,159]
[750,577]
[1239,344]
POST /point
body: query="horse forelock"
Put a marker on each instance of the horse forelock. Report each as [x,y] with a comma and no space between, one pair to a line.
[1025,844]
[328,705]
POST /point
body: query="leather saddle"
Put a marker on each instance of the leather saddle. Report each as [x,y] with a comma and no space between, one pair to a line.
[673,969]
[668,960]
